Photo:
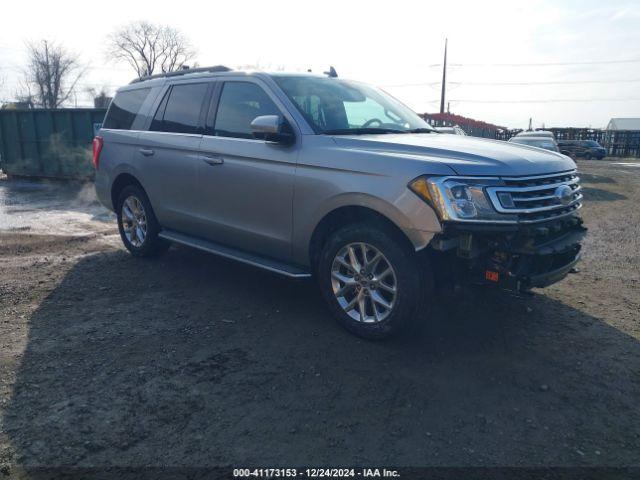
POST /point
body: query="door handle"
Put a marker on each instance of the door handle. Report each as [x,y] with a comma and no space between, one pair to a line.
[147,152]
[212,160]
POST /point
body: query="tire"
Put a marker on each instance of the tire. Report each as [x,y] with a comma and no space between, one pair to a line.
[588,156]
[131,199]
[335,262]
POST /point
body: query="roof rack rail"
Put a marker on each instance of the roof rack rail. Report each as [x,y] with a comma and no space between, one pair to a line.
[183,71]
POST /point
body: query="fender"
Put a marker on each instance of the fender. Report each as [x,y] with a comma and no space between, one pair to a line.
[419,223]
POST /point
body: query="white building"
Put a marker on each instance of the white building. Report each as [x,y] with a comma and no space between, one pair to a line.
[624,124]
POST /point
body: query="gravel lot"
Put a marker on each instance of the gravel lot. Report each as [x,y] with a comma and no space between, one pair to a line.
[191,360]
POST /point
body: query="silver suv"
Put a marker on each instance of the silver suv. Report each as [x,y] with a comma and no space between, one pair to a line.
[309,175]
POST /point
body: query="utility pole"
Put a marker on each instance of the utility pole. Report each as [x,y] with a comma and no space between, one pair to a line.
[444,76]
[530,126]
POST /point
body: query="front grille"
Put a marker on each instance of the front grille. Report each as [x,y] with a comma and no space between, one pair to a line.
[539,198]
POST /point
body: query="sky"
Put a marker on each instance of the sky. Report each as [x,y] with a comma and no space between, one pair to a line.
[561,63]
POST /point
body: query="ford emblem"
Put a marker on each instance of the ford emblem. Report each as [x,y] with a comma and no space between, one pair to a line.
[564,194]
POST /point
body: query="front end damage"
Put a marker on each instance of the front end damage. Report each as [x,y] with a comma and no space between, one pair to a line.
[516,233]
[514,258]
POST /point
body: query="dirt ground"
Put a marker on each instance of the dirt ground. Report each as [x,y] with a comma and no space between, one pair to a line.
[191,360]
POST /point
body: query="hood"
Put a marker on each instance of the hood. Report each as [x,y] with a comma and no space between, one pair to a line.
[464,155]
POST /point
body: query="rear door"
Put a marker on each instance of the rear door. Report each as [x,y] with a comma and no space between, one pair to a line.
[169,154]
[246,184]
[120,132]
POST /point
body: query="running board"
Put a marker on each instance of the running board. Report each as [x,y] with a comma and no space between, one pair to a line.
[233,254]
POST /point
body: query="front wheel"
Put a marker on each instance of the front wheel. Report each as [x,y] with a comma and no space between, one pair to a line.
[371,280]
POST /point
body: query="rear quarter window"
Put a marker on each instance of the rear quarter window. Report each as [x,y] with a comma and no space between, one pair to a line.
[124,108]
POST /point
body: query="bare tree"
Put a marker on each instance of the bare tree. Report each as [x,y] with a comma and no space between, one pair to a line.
[150,48]
[51,75]
[101,97]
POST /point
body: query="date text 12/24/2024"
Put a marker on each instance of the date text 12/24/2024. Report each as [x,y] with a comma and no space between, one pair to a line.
[315,473]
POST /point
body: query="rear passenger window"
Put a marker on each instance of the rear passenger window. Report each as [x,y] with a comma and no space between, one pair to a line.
[179,110]
[240,103]
[124,108]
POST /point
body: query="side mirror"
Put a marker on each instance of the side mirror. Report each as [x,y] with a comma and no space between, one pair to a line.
[272,128]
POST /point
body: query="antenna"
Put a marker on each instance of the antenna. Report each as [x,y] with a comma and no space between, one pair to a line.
[332,72]
[444,76]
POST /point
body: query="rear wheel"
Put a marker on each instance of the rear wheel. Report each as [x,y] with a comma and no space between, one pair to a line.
[370,280]
[137,223]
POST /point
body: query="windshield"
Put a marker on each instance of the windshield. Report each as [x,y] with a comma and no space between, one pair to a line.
[342,107]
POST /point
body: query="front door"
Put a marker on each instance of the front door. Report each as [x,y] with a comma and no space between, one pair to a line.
[246,183]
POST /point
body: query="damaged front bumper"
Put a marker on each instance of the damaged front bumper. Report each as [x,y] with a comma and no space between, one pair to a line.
[515,258]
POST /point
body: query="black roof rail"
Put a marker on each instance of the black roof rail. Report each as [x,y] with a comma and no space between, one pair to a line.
[183,71]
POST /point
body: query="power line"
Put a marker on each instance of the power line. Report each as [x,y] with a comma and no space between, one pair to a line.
[550,82]
[78,84]
[13,66]
[553,100]
[490,84]
[430,84]
[540,64]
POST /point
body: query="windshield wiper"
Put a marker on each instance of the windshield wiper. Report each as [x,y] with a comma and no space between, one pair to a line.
[421,130]
[374,130]
[362,131]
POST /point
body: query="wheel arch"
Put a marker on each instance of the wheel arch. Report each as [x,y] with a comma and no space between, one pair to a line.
[121,181]
[349,214]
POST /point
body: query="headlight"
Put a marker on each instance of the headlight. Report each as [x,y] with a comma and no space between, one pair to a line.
[459,199]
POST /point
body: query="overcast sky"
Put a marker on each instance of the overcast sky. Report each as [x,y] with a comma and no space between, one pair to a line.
[397,45]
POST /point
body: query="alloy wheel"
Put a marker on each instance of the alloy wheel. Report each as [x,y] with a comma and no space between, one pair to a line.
[134,221]
[364,282]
